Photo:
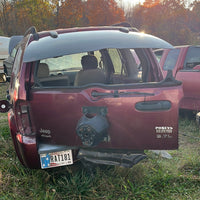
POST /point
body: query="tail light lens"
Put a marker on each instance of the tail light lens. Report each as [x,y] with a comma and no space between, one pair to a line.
[23,118]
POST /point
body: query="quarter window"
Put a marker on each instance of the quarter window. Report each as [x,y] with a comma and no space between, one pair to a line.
[14,51]
[16,67]
[116,60]
[171,59]
[192,58]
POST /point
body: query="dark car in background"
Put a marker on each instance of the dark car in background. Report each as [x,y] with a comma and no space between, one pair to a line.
[102,109]
[184,61]
[12,49]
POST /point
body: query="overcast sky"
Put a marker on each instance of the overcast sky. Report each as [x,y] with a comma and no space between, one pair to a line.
[134,2]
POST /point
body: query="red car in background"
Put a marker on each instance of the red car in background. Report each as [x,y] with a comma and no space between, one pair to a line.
[184,61]
[79,94]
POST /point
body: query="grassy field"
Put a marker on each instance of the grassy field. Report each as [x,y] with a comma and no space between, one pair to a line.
[153,178]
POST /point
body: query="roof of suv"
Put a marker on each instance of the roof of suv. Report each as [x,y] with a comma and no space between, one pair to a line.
[76,40]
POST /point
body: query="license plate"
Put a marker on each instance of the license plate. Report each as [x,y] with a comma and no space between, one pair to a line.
[56,159]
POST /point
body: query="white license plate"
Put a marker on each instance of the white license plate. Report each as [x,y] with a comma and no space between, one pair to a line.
[56,159]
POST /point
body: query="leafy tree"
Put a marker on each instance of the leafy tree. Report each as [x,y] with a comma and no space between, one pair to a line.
[103,12]
[150,3]
[70,13]
[194,17]
[168,19]
[17,15]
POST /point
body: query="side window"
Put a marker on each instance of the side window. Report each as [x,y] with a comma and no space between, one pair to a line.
[116,61]
[97,54]
[192,58]
[126,64]
[171,59]
[158,54]
[14,51]
[16,67]
[136,58]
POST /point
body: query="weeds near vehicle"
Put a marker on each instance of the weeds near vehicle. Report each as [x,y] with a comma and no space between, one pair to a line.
[153,178]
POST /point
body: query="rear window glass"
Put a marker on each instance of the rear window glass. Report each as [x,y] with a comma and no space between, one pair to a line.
[192,58]
[171,59]
[63,64]
[106,66]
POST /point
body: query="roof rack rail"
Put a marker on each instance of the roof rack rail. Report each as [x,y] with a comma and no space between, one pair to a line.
[124,24]
[32,30]
[127,25]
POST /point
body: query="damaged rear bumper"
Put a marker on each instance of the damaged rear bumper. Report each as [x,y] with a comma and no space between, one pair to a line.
[125,158]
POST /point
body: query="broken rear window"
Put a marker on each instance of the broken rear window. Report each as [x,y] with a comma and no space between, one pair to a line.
[106,66]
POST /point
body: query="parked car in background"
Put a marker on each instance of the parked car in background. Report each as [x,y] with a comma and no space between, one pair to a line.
[4,43]
[11,49]
[184,61]
[101,109]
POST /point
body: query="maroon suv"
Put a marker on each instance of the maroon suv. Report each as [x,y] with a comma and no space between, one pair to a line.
[79,94]
[184,61]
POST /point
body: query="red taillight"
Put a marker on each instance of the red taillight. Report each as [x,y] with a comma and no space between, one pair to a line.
[23,119]
[15,95]
[19,138]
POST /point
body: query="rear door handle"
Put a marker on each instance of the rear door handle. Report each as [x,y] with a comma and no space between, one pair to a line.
[153,105]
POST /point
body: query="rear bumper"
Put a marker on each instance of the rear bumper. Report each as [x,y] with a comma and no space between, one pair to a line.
[28,150]
[29,153]
[125,158]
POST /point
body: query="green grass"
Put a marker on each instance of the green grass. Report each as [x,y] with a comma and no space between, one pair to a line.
[153,178]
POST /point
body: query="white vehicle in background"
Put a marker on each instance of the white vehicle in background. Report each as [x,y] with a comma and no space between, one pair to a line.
[4,43]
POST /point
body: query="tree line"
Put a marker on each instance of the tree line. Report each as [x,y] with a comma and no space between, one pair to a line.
[176,21]
[17,15]
[173,20]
